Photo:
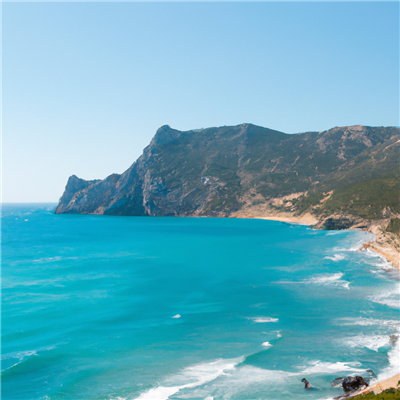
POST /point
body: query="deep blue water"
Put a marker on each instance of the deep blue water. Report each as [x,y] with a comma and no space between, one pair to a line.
[97,307]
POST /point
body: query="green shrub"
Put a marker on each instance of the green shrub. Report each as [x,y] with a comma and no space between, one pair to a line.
[394,226]
[388,394]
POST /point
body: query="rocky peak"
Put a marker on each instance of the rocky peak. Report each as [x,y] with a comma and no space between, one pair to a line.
[74,183]
[73,186]
[164,135]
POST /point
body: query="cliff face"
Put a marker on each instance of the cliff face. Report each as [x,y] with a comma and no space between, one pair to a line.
[224,171]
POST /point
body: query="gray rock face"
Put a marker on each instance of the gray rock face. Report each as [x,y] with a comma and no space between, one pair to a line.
[339,222]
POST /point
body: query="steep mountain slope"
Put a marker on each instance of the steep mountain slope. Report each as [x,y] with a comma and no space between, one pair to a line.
[222,171]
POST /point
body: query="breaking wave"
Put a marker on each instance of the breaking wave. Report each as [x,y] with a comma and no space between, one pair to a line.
[336,257]
[10,360]
[264,319]
[389,297]
[230,379]
[369,322]
[267,344]
[394,363]
[319,367]
[333,233]
[191,377]
[333,280]
[378,260]
[370,342]
[329,280]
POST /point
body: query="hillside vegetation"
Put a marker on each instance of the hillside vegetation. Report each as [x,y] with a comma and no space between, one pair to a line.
[388,394]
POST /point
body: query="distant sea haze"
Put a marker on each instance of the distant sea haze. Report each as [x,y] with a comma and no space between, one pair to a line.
[98,307]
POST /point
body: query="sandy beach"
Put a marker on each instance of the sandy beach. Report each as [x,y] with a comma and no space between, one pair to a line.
[305,219]
[383,385]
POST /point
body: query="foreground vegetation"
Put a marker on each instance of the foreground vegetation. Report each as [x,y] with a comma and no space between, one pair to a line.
[394,226]
[388,394]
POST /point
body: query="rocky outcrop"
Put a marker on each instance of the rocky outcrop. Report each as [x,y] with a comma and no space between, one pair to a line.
[386,243]
[340,221]
[74,185]
[353,384]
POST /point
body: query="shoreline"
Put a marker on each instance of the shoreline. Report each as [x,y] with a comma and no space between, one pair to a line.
[390,253]
[305,219]
[301,221]
[376,388]
[375,246]
[388,383]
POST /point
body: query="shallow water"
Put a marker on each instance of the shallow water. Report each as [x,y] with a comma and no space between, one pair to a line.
[97,307]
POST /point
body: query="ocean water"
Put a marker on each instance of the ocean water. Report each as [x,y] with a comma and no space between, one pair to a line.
[97,307]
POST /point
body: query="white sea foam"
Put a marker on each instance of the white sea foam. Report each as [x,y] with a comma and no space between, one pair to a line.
[264,319]
[19,355]
[336,257]
[191,377]
[267,344]
[374,342]
[332,280]
[239,381]
[22,355]
[356,243]
[391,323]
[319,367]
[373,254]
[228,379]
[329,280]
[394,363]
[160,392]
[56,258]
[355,247]
[389,297]
[332,233]
[377,260]
[242,381]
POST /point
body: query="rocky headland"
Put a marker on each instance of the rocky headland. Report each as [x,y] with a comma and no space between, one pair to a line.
[343,178]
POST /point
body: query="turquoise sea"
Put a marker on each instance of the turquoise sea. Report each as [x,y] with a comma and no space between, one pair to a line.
[99,307]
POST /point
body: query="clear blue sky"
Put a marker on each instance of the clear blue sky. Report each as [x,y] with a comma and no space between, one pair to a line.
[86,85]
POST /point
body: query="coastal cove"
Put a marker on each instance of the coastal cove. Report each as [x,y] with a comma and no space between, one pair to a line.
[105,307]
[388,252]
